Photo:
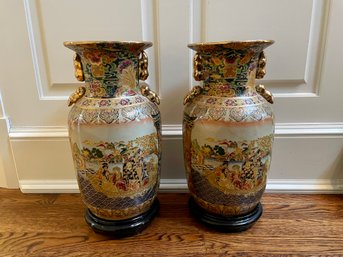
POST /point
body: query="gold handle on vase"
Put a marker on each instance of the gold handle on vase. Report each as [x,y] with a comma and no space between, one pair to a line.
[148,93]
[143,75]
[265,93]
[76,96]
[143,66]
[78,68]
[261,64]
[192,94]
[260,73]
[78,72]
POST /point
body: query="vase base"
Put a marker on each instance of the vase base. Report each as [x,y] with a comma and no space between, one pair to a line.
[122,228]
[225,224]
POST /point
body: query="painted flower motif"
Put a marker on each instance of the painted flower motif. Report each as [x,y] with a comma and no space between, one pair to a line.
[230,102]
[224,87]
[98,70]
[86,103]
[215,76]
[252,66]
[94,85]
[139,100]
[230,59]
[123,65]
[216,60]
[230,71]
[104,103]
[109,58]
[130,92]
[248,101]
[96,90]
[246,58]
[211,101]
[94,56]
[124,101]
[128,78]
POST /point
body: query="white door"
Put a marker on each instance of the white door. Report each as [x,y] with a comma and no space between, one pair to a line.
[303,72]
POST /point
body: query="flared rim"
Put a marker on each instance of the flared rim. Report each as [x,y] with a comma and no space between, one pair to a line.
[109,45]
[239,44]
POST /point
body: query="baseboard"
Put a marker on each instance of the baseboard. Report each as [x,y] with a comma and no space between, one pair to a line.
[298,186]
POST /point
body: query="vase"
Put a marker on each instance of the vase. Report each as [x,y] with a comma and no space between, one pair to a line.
[114,131]
[228,132]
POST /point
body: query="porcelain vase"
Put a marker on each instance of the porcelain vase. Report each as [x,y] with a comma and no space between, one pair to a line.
[228,131]
[114,131]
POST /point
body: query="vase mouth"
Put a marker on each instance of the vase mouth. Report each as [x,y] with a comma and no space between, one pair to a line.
[134,46]
[235,45]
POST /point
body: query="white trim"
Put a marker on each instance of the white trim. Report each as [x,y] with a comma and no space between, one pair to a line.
[35,39]
[329,128]
[8,169]
[49,186]
[195,33]
[175,130]
[150,33]
[38,132]
[302,186]
[317,42]
[305,186]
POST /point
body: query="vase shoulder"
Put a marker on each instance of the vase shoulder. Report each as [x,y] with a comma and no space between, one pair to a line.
[252,108]
[117,110]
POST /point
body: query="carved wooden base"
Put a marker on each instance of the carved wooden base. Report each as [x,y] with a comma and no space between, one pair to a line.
[225,224]
[122,228]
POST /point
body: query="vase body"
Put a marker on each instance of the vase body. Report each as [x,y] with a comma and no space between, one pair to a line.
[114,131]
[228,129]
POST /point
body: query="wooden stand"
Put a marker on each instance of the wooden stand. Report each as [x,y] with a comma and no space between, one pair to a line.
[225,224]
[122,228]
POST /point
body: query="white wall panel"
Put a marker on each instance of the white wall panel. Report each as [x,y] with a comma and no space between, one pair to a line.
[83,20]
[287,22]
[174,34]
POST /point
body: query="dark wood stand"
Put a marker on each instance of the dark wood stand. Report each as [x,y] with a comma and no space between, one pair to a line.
[225,224]
[122,228]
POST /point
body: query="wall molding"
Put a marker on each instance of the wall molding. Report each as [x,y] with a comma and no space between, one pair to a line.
[300,186]
[8,170]
[45,88]
[175,131]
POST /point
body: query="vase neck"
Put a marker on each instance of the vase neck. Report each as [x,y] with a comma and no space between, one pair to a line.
[110,68]
[230,72]
[228,68]
[110,74]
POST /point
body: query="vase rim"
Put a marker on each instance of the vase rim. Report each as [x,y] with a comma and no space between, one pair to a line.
[135,46]
[239,44]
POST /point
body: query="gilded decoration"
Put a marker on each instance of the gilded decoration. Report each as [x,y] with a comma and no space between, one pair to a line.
[233,166]
[113,110]
[121,173]
[249,109]
[228,169]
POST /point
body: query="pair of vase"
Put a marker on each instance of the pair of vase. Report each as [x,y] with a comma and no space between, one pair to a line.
[115,135]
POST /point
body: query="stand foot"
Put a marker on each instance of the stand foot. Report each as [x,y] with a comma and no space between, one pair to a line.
[225,224]
[122,228]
